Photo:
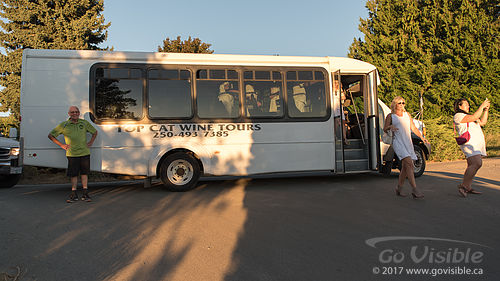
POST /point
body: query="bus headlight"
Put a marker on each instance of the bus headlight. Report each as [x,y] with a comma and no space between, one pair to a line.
[14,151]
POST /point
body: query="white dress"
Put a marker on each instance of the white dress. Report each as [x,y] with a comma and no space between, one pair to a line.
[476,144]
[401,142]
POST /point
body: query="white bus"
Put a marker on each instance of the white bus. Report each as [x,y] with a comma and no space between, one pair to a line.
[179,116]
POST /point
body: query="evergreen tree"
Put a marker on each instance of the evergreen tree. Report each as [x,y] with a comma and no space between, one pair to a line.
[187,46]
[44,24]
[441,49]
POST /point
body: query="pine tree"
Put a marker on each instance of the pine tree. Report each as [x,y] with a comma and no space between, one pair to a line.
[44,24]
[187,46]
[441,49]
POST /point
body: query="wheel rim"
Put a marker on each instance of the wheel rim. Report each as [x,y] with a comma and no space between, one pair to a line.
[418,163]
[180,172]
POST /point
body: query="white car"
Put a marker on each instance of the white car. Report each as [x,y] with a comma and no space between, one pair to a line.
[10,163]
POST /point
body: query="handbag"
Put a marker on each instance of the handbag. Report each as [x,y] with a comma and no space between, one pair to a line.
[387,137]
[463,138]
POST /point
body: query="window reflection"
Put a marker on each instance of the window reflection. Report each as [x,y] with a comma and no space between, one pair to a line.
[118,96]
[169,93]
[169,98]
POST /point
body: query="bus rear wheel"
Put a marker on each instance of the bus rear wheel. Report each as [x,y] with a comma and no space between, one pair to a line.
[179,172]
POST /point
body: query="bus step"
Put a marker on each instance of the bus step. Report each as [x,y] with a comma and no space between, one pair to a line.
[352,154]
[353,143]
[355,165]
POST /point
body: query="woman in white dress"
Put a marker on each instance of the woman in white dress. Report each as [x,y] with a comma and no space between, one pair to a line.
[475,148]
[401,125]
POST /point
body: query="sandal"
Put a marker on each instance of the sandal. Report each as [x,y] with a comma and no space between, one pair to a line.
[399,193]
[472,191]
[462,190]
[415,196]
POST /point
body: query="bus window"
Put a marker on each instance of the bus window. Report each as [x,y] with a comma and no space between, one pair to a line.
[307,95]
[218,95]
[118,93]
[263,98]
[169,93]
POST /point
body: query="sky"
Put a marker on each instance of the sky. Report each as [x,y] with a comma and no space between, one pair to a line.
[257,27]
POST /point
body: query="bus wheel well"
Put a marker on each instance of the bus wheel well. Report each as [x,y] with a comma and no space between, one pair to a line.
[187,151]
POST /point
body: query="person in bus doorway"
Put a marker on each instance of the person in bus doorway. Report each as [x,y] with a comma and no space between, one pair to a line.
[77,150]
[475,148]
[401,124]
[339,114]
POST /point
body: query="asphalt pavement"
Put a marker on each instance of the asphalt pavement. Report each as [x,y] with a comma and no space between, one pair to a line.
[316,227]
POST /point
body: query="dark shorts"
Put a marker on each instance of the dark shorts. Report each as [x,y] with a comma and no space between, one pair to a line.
[78,166]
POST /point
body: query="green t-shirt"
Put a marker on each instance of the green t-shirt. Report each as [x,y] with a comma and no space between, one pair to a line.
[75,134]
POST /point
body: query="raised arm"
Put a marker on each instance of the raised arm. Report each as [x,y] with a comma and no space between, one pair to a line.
[484,118]
[473,117]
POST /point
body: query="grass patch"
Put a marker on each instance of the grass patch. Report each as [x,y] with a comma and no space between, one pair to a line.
[444,147]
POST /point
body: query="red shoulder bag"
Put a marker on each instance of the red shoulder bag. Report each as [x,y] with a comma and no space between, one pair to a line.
[463,138]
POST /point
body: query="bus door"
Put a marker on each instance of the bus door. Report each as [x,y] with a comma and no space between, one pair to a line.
[339,124]
[373,122]
[354,104]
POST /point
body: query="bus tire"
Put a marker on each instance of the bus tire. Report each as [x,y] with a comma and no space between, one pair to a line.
[420,162]
[179,172]
[386,168]
[7,181]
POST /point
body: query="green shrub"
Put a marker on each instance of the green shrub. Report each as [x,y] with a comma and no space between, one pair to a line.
[5,124]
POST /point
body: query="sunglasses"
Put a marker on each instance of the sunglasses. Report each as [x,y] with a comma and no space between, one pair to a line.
[401,102]
[74,112]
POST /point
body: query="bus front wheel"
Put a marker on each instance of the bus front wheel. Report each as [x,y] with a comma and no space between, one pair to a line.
[179,172]
[419,164]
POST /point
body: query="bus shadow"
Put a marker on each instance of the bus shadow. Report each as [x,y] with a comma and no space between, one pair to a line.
[314,228]
[126,233]
[298,228]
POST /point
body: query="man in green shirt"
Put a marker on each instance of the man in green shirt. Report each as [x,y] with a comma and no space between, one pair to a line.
[77,149]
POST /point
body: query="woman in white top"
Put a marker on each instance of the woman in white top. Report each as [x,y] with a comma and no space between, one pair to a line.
[401,125]
[475,148]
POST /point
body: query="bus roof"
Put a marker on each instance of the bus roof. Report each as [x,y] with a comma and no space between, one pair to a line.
[346,65]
